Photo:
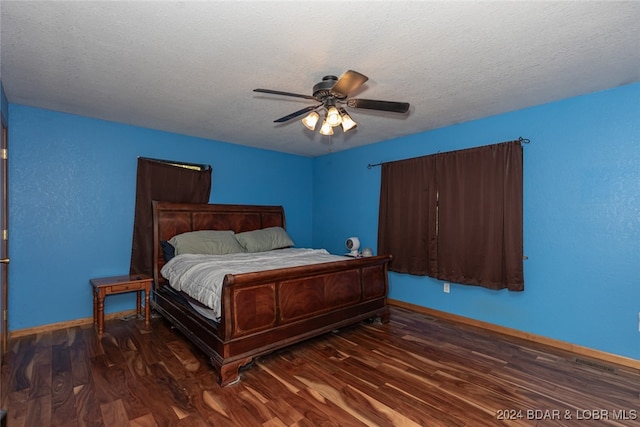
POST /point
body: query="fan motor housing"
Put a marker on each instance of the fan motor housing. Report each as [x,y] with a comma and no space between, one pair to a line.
[322,90]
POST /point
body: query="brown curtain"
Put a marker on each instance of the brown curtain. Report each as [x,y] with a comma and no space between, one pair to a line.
[407,218]
[480,216]
[166,181]
[475,236]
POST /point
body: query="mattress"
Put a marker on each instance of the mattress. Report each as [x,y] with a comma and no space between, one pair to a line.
[201,276]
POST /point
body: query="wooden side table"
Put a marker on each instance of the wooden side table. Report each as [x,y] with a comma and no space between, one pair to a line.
[117,285]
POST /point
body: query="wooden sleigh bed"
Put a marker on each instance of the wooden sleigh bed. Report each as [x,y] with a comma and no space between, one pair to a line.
[264,311]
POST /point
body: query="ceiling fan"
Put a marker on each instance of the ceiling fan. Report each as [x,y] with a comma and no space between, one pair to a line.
[331,94]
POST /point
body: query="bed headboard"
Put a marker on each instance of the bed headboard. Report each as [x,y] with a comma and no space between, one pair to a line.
[170,219]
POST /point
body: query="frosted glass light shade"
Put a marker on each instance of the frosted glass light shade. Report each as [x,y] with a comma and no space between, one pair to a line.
[347,121]
[333,116]
[311,120]
[326,129]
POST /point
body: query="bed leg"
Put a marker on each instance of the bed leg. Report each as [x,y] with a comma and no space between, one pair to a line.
[385,316]
[229,372]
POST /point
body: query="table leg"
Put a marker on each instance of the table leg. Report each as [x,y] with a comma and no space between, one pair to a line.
[147,306]
[100,314]
[95,309]
[138,302]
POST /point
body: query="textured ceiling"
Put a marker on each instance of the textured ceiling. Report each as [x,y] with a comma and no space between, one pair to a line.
[190,67]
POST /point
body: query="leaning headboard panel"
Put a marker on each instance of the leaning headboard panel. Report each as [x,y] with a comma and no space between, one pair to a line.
[170,219]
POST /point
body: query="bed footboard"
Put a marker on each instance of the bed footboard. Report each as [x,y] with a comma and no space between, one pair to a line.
[269,310]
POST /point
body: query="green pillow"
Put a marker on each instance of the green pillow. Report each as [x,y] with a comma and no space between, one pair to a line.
[207,242]
[264,239]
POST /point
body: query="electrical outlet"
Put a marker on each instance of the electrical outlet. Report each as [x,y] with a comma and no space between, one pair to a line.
[446,289]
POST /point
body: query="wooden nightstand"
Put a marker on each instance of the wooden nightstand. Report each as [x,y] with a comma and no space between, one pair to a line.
[117,285]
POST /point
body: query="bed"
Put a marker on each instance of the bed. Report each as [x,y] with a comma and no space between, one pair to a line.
[263,311]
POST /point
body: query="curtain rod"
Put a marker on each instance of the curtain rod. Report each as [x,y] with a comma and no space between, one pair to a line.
[521,140]
[186,165]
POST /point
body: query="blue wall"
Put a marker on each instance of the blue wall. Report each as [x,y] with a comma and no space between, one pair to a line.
[72,197]
[581,218]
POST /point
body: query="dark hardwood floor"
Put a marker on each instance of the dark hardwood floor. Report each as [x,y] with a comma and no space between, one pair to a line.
[414,371]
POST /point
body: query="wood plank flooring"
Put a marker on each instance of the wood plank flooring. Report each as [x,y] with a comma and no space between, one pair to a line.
[414,371]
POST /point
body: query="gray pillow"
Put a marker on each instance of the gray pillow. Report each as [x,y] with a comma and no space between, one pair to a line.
[264,239]
[207,242]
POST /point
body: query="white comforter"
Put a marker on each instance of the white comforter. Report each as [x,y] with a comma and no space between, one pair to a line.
[201,276]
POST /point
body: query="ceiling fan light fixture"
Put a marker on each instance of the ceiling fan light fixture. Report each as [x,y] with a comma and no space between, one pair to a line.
[333,117]
[326,128]
[347,122]
[311,120]
[330,95]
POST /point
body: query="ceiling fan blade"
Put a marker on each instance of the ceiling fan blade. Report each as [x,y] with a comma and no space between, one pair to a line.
[348,82]
[371,104]
[297,113]
[277,92]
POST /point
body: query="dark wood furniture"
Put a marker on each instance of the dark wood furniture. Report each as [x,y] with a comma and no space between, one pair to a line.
[268,310]
[102,287]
